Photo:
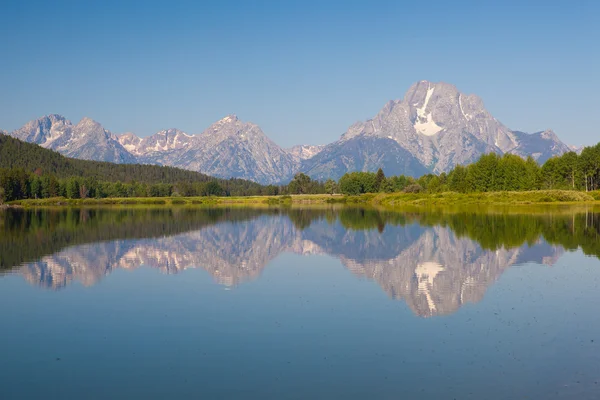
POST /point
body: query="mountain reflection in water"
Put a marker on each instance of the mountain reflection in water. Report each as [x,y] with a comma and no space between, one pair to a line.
[434,261]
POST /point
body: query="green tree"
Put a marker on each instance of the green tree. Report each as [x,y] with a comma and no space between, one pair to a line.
[530,180]
[272,190]
[213,189]
[355,183]
[36,187]
[331,186]
[300,184]
[458,180]
[72,188]
[350,184]
[550,174]
[568,168]
[379,180]
[434,185]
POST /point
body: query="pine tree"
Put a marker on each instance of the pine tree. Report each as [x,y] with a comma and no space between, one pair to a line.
[379,179]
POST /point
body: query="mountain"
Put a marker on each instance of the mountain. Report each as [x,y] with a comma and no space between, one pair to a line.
[87,140]
[162,142]
[363,153]
[304,151]
[540,145]
[432,129]
[576,149]
[228,148]
[15,153]
[439,127]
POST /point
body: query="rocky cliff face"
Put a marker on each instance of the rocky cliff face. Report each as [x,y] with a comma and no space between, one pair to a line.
[432,129]
[87,140]
[45,130]
[163,142]
[304,151]
[229,148]
[232,148]
[363,153]
[540,145]
[439,126]
[432,269]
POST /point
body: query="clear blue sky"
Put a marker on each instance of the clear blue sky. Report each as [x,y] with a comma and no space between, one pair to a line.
[303,70]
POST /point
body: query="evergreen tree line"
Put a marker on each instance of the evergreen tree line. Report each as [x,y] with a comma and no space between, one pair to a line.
[30,171]
[17,184]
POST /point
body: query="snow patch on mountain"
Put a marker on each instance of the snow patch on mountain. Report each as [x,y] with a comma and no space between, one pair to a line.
[424,123]
[432,129]
[467,116]
[304,151]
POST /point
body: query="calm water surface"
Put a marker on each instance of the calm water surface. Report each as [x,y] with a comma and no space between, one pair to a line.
[320,304]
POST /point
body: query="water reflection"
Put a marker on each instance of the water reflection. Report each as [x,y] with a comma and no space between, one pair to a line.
[435,262]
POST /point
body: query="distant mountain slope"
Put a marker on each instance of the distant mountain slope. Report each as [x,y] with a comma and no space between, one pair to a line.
[228,148]
[304,151]
[363,153]
[442,127]
[87,140]
[540,145]
[15,153]
[162,142]
[432,129]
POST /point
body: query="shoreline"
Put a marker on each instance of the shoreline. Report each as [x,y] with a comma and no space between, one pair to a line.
[384,200]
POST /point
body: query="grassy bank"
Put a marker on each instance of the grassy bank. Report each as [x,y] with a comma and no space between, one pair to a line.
[505,198]
[184,201]
[388,200]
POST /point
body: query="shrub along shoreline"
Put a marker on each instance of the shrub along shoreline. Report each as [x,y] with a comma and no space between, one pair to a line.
[387,200]
[28,171]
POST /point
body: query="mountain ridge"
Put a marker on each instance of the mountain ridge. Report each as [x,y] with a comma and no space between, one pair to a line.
[431,129]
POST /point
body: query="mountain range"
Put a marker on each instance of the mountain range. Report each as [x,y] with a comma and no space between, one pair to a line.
[432,129]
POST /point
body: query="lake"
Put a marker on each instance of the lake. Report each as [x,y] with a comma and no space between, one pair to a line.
[289,303]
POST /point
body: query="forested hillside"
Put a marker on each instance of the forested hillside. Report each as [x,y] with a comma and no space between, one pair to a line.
[30,171]
[18,154]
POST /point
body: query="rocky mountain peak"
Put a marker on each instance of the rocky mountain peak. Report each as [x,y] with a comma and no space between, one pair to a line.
[431,129]
[549,135]
[163,141]
[305,151]
[540,145]
[435,107]
[54,119]
[438,125]
[129,136]
[228,148]
[130,142]
[228,119]
[88,124]
[48,121]
[87,140]
[231,127]
[43,130]
[171,135]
